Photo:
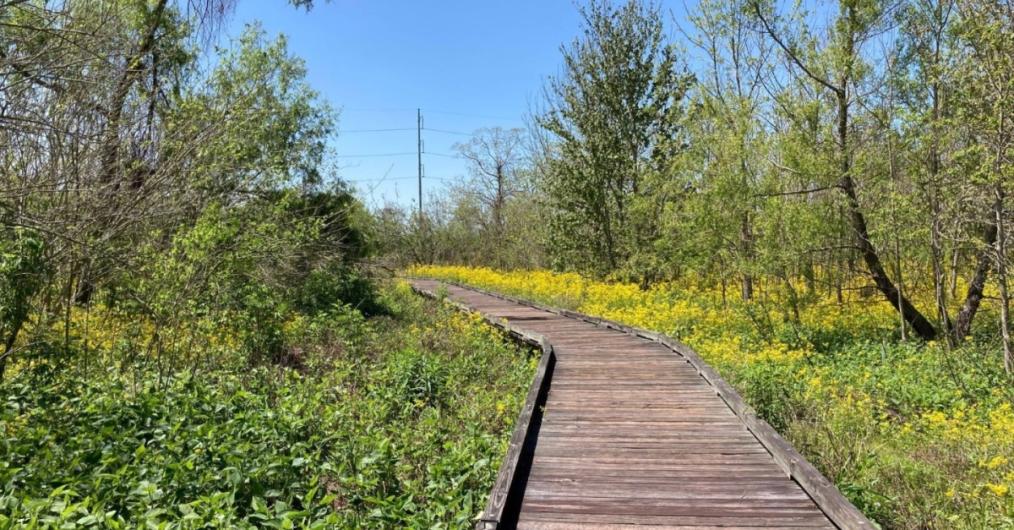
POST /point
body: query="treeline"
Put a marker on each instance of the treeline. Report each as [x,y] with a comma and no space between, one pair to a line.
[862,144]
[174,185]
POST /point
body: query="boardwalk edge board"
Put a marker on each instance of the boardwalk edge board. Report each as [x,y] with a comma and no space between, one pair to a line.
[513,473]
[825,495]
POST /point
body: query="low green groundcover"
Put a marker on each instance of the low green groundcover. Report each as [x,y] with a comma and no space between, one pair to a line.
[393,421]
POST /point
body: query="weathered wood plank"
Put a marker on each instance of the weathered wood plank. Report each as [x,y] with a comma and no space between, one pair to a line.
[550,525]
[584,520]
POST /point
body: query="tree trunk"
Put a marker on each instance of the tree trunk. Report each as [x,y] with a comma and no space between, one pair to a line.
[1001,279]
[746,239]
[963,322]
[811,278]
[857,221]
[109,157]
[607,229]
[793,297]
[955,257]
[9,347]
[114,115]
[939,290]
[936,252]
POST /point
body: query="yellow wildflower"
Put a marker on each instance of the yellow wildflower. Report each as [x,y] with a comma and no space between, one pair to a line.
[999,490]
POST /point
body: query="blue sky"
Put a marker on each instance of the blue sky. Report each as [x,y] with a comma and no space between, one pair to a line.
[466,64]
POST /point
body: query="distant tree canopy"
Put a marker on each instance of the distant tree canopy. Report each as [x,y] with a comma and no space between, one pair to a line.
[873,153]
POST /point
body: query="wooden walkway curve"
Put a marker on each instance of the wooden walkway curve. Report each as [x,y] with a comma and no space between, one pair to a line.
[624,428]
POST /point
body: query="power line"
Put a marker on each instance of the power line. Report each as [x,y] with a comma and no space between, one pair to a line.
[407,153]
[419,153]
[468,115]
[446,112]
[448,132]
[372,155]
[387,173]
[382,179]
[375,130]
[376,109]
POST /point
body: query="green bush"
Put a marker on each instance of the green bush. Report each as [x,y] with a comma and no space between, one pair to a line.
[338,284]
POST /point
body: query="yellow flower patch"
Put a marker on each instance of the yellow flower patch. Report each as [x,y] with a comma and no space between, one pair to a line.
[870,409]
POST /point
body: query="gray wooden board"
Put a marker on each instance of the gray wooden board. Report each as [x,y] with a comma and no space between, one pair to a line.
[637,431]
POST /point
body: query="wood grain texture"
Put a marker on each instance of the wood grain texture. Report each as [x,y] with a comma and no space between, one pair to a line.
[633,429]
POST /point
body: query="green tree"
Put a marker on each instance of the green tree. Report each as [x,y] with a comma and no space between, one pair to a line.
[493,156]
[729,140]
[986,112]
[117,140]
[836,73]
[615,118]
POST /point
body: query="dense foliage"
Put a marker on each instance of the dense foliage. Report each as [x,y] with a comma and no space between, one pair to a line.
[149,173]
[915,434]
[823,211]
[855,143]
[192,333]
[616,116]
[394,421]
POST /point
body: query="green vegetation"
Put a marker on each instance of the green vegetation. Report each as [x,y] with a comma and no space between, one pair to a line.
[195,329]
[859,144]
[822,209]
[393,421]
[193,334]
[915,434]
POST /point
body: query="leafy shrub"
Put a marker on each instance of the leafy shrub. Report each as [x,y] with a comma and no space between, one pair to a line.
[148,453]
[335,285]
[413,378]
[772,390]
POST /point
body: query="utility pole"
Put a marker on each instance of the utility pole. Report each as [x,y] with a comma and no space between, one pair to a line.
[419,150]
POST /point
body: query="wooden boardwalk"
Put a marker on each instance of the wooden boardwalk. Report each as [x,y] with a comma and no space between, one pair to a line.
[623,429]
